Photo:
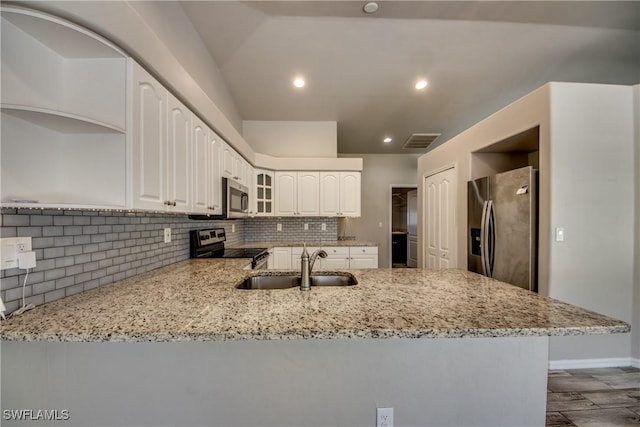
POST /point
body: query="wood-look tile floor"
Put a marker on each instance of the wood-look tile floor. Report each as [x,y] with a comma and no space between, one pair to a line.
[601,397]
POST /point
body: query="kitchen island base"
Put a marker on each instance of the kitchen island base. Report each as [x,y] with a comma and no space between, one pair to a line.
[498,381]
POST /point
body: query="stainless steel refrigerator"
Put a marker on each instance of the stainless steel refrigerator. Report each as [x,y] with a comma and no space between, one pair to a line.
[502,227]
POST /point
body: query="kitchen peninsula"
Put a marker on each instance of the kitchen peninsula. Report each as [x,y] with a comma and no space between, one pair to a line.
[185,344]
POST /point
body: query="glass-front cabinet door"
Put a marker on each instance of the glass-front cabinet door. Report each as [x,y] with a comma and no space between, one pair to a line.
[264,192]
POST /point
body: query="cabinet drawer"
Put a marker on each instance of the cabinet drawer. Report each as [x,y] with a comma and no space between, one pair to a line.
[297,250]
[333,251]
[359,250]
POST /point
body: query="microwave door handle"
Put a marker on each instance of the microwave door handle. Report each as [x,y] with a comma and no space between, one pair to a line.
[244,202]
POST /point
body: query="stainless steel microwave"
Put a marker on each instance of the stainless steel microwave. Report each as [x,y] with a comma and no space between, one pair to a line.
[235,199]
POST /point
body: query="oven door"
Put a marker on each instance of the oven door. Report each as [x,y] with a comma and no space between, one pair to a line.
[236,200]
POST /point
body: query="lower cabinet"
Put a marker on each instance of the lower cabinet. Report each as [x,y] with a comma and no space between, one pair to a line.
[338,257]
[280,259]
[363,257]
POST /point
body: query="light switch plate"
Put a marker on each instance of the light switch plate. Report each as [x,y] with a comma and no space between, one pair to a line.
[559,234]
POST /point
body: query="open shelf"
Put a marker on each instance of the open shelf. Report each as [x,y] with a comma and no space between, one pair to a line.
[64,114]
[59,121]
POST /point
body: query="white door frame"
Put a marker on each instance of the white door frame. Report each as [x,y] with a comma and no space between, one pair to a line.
[391,187]
[423,206]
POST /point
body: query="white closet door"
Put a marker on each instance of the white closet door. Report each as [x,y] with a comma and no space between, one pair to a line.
[440,241]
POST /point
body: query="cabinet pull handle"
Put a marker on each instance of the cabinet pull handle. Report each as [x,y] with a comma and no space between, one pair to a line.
[167,202]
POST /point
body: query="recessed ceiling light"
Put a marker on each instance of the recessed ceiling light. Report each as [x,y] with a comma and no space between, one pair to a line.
[421,84]
[387,140]
[370,7]
[298,82]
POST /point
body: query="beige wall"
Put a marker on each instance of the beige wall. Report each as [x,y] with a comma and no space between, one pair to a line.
[292,139]
[380,171]
[586,186]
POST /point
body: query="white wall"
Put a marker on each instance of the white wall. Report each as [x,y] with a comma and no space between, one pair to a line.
[380,171]
[292,139]
[586,185]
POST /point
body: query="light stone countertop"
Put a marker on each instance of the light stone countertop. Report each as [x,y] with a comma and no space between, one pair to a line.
[316,243]
[196,300]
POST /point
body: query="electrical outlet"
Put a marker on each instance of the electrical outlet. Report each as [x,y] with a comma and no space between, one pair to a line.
[324,226]
[384,417]
[306,227]
[10,247]
[167,235]
[279,227]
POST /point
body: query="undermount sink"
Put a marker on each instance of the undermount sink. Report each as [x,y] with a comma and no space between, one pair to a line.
[291,281]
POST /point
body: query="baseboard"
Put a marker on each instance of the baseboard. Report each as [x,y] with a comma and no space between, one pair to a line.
[593,363]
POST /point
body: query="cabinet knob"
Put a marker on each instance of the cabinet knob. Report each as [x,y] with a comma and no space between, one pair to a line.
[174,203]
[167,202]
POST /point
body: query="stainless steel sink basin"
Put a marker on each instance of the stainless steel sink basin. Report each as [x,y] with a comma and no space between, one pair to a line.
[291,281]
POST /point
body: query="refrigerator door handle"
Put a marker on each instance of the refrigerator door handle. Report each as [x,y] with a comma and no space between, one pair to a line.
[483,239]
[491,237]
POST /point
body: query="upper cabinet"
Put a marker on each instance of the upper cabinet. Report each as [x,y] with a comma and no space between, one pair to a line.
[317,193]
[206,177]
[286,193]
[161,147]
[263,200]
[64,103]
[340,193]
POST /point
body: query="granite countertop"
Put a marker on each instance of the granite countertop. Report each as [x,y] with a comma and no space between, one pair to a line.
[316,243]
[196,300]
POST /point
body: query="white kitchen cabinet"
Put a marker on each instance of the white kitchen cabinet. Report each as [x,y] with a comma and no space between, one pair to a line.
[64,121]
[161,147]
[297,193]
[308,200]
[337,258]
[229,157]
[206,178]
[149,141]
[363,257]
[215,173]
[281,258]
[350,193]
[178,174]
[286,193]
[340,193]
[200,168]
[263,204]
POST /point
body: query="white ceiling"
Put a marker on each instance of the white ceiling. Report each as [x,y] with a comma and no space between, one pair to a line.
[360,69]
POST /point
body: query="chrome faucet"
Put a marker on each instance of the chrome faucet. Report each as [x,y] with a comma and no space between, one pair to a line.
[307,262]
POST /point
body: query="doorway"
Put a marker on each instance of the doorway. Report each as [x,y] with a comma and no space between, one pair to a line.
[403,222]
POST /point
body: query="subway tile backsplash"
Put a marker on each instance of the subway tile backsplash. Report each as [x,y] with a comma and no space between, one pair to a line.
[265,229]
[79,250]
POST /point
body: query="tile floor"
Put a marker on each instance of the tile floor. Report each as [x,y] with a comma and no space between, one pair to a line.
[600,397]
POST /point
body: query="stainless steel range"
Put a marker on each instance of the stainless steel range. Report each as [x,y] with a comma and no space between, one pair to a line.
[209,243]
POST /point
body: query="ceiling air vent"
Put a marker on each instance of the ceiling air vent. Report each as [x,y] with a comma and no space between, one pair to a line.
[420,140]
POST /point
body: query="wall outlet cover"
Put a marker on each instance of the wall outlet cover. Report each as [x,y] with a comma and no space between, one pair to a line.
[167,235]
[384,417]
